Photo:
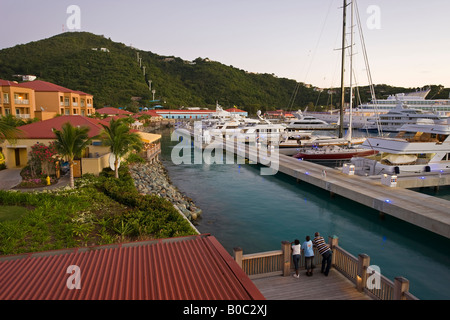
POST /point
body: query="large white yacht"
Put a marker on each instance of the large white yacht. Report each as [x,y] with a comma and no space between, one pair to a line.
[364,113]
[420,147]
[399,116]
[308,122]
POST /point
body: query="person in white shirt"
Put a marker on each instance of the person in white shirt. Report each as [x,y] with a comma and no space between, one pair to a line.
[296,252]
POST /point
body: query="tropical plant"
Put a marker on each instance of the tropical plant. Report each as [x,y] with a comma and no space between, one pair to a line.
[8,131]
[120,140]
[70,142]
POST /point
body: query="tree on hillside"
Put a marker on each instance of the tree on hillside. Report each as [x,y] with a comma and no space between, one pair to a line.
[120,140]
[70,143]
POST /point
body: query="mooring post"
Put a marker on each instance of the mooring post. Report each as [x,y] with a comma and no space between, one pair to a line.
[238,253]
[361,276]
[286,250]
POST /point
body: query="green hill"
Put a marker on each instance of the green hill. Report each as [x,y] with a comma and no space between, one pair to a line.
[115,77]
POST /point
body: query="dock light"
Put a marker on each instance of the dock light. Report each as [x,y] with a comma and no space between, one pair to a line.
[307,173]
[387,201]
[422,178]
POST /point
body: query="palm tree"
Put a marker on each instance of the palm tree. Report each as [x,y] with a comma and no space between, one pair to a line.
[70,143]
[8,130]
[120,140]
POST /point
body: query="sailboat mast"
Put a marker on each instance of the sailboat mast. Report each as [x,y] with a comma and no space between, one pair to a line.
[351,75]
[341,113]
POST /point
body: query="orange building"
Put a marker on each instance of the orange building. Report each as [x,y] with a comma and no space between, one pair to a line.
[52,99]
[16,100]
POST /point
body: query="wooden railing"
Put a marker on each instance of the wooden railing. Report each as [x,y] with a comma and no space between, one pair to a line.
[358,270]
[151,151]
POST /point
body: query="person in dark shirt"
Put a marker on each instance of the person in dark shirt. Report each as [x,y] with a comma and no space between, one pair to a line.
[325,251]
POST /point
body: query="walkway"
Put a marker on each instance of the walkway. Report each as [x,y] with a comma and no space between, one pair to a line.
[318,287]
[9,178]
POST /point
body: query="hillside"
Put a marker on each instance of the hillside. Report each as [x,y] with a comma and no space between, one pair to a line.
[114,77]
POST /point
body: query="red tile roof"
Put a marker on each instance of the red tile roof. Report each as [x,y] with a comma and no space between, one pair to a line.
[44,86]
[7,83]
[187,268]
[112,111]
[43,129]
[183,111]
[152,113]
[235,110]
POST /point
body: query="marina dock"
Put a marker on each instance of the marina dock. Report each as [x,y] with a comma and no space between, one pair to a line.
[422,210]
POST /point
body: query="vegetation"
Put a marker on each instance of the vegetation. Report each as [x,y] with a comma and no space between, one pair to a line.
[118,137]
[115,77]
[70,143]
[99,210]
[8,131]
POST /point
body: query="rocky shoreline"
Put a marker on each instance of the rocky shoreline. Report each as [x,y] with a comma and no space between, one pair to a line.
[152,178]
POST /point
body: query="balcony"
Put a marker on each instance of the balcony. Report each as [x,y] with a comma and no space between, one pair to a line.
[21,101]
[23,116]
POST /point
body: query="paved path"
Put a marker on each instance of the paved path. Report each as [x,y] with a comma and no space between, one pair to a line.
[9,178]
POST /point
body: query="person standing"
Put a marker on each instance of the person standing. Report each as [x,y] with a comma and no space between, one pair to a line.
[308,252]
[296,256]
[325,251]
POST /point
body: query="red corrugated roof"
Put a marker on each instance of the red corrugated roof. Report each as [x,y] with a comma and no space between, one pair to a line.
[187,268]
[111,110]
[43,129]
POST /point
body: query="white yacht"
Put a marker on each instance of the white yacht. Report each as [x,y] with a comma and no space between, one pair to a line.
[308,122]
[364,114]
[399,116]
[420,147]
[242,129]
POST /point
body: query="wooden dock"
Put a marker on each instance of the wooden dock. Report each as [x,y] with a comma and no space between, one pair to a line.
[350,277]
[422,210]
[318,287]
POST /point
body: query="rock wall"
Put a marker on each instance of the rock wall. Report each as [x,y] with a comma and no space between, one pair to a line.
[152,178]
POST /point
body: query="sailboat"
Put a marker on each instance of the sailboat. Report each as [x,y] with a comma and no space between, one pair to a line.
[340,152]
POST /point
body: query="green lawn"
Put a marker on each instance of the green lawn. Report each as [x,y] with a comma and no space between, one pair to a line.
[11,212]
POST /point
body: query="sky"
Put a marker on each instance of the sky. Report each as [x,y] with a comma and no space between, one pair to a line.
[407,41]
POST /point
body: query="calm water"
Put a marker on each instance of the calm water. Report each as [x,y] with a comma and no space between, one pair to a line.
[243,209]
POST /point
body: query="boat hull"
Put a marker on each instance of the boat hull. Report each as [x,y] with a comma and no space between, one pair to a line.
[338,155]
